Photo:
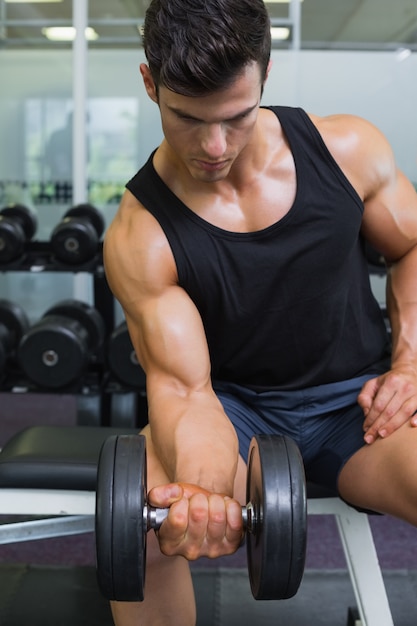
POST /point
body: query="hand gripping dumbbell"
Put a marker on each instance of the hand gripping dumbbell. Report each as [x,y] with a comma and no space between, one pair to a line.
[75,239]
[275,518]
[13,324]
[17,226]
[57,350]
[122,360]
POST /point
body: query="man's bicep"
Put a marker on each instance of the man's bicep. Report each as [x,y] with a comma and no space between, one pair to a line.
[390,218]
[164,324]
[168,334]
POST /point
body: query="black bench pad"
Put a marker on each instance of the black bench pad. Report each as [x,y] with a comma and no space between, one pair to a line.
[54,457]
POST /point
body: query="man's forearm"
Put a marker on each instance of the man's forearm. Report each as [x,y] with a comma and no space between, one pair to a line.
[195,440]
[401,296]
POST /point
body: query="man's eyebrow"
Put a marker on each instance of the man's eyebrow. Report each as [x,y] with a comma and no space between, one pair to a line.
[181,113]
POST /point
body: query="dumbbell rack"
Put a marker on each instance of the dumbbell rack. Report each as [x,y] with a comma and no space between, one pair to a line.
[101,400]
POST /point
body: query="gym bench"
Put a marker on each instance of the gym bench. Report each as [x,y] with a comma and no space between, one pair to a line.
[360,554]
[50,472]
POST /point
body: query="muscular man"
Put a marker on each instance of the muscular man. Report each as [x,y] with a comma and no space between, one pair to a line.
[237,255]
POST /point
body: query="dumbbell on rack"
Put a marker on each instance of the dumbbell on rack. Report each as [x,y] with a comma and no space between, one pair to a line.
[75,240]
[13,324]
[56,351]
[274,518]
[122,359]
[18,224]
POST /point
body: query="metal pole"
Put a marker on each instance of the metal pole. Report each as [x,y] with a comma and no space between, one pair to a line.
[2,19]
[79,91]
[82,282]
[295,17]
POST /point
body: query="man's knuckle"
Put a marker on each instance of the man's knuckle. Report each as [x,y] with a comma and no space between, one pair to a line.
[409,406]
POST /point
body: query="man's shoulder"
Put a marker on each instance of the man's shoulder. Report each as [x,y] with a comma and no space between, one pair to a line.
[143,173]
[358,146]
[344,125]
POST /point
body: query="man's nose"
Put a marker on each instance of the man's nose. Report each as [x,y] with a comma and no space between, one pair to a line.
[214,141]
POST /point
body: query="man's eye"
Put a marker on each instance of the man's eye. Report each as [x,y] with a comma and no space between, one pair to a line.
[185,118]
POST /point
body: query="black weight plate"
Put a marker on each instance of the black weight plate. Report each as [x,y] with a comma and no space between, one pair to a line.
[276,490]
[12,240]
[129,526]
[86,315]
[122,359]
[74,242]
[90,213]
[4,349]
[14,318]
[26,218]
[299,513]
[54,352]
[104,517]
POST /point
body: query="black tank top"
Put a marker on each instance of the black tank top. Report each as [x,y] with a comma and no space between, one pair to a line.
[289,306]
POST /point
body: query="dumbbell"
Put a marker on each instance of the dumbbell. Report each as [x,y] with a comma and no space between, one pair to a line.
[57,349]
[275,518]
[17,226]
[122,359]
[76,238]
[13,324]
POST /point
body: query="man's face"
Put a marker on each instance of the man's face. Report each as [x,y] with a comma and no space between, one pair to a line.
[208,133]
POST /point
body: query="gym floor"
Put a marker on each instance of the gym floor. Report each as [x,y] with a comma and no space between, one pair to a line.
[52,582]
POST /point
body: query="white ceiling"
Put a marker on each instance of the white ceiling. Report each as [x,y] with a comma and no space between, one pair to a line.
[360,21]
[324,23]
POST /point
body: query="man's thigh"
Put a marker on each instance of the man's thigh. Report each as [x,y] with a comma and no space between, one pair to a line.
[326,439]
[383,476]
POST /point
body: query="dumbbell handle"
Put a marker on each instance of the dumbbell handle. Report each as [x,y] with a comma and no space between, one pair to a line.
[153,517]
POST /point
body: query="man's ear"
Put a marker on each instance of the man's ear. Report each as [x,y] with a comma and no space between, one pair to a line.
[148,82]
[268,69]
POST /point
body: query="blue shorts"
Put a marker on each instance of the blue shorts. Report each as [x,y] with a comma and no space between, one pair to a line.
[325,421]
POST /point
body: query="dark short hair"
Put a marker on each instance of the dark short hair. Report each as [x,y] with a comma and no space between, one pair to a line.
[195,47]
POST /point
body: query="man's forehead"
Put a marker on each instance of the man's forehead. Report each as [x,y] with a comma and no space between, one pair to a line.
[236,100]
